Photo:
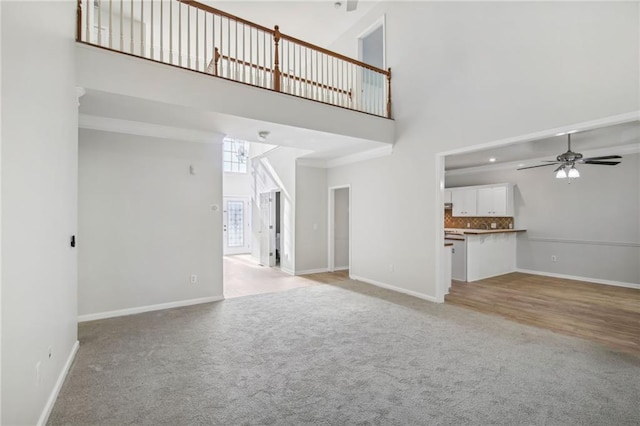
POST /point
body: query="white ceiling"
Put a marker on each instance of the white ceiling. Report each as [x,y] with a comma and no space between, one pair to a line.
[314,21]
[604,140]
[109,107]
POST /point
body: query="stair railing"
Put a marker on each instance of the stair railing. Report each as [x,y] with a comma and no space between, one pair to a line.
[191,35]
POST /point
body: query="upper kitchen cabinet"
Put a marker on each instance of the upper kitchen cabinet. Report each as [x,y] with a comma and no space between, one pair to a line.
[495,200]
[464,201]
[483,201]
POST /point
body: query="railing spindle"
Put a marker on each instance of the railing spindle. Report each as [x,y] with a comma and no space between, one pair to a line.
[142,47]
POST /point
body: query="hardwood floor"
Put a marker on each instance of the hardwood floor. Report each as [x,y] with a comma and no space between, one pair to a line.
[600,313]
[244,277]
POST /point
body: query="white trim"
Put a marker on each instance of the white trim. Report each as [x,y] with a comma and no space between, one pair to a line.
[287,270]
[382,151]
[148,308]
[577,278]
[587,125]
[312,271]
[370,154]
[340,268]
[585,242]
[619,150]
[396,289]
[380,22]
[46,411]
[139,128]
[331,226]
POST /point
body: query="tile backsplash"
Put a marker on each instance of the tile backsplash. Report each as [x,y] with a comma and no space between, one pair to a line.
[476,222]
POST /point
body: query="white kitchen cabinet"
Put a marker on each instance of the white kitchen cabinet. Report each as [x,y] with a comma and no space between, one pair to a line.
[464,202]
[495,201]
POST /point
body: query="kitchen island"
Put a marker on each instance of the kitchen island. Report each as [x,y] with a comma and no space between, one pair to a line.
[482,253]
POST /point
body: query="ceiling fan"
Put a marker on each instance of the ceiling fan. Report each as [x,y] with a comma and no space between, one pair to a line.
[569,159]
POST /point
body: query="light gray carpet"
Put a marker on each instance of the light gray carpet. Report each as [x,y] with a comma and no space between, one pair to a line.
[341,355]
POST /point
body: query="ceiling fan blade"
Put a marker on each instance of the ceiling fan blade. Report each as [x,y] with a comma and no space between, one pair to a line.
[602,163]
[607,157]
[352,5]
[541,165]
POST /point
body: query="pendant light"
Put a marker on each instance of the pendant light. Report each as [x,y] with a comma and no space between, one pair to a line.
[573,172]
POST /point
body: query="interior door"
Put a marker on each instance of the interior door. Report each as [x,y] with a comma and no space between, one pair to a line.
[266,252]
[236,225]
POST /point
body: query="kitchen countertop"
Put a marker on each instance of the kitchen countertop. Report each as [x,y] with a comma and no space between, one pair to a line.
[471,231]
[446,244]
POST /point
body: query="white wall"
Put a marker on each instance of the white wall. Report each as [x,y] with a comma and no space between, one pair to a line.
[145,222]
[601,209]
[39,187]
[341,228]
[274,170]
[311,219]
[471,73]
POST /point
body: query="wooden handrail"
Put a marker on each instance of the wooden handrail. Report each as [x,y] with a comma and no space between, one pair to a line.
[334,54]
[213,65]
[283,36]
[79,21]
[215,11]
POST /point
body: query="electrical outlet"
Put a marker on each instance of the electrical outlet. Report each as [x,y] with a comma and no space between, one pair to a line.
[554,258]
[494,225]
[194,279]
[468,225]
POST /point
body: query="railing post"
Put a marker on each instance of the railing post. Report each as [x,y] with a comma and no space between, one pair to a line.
[79,21]
[276,62]
[216,58]
[389,94]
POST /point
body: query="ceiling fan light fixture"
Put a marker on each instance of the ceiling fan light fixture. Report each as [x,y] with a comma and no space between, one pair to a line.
[561,173]
[573,172]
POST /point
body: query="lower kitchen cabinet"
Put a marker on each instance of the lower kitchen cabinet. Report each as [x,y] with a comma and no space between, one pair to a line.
[489,255]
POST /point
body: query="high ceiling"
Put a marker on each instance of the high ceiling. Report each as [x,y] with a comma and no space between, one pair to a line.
[315,21]
[600,141]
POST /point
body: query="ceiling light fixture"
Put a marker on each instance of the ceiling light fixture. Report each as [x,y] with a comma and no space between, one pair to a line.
[337,5]
[263,135]
[561,173]
[492,160]
[573,172]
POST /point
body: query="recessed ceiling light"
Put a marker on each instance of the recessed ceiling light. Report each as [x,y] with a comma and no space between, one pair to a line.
[492,160]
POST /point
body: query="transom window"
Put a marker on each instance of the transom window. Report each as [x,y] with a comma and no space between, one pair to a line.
[234,156]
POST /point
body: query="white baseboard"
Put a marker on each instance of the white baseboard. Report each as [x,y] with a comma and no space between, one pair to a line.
[585,279]
[287,271]
[46,412]
[312,271]
[394,288]
[148,308]
[340,268]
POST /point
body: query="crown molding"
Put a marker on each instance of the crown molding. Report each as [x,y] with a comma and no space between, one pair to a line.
[138,128]
[619,150]
[578,127]
[382,151]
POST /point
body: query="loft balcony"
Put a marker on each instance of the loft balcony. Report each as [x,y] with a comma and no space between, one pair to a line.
[220,48]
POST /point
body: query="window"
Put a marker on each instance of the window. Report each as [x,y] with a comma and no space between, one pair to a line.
[234,156]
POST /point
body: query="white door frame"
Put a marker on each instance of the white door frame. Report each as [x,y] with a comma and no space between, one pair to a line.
[331,227]
[380,22]
[273,226]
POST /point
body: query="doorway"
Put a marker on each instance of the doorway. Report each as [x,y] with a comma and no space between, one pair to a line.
[270,228]
[371,50]
[236,225]
[339,256]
